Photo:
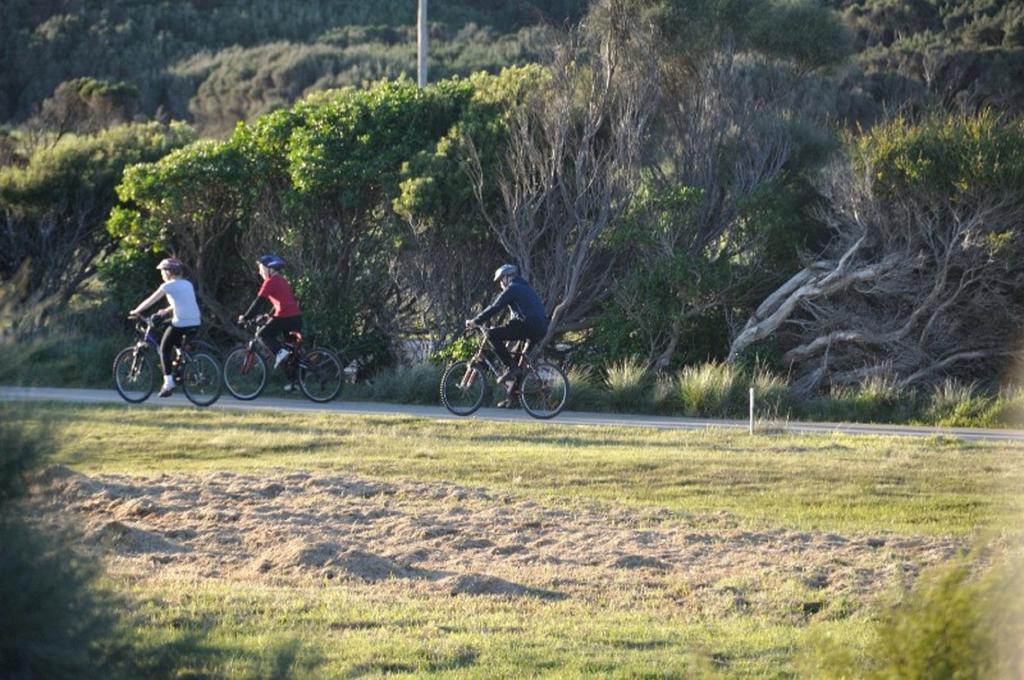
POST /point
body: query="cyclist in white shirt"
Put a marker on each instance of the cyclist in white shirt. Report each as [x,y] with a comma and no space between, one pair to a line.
[183,309]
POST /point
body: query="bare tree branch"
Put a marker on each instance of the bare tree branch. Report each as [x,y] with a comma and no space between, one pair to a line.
[573,161]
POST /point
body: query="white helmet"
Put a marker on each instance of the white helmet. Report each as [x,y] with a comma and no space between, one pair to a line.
[506,270]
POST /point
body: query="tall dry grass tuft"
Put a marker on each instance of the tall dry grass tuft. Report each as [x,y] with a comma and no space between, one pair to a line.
[711,389]
[771,392]
[1008,409]
[880,388]
[585,390]
[953,403]
[626,382]
[664,395]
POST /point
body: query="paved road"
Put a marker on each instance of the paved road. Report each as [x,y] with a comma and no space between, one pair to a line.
[84,396]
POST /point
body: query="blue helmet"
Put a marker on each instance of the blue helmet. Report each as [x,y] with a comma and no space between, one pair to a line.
[271,261]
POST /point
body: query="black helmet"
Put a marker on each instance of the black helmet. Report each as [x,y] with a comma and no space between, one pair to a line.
[271,261]
[506,270]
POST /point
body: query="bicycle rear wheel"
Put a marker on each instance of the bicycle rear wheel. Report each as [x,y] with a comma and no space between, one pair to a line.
[201,379]
[320,375]
[462,388]
[245,373]
[545,391]
[206,346]
[134,374]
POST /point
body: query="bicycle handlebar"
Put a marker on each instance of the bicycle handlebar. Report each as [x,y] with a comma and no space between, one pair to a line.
[254,323]
[144,323]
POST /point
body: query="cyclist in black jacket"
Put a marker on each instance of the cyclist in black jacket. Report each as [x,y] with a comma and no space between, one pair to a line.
[529,319]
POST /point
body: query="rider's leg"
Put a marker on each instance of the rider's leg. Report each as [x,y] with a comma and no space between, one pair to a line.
[269,334]
[172,340]
[276,329]
[499,335]
[514,330]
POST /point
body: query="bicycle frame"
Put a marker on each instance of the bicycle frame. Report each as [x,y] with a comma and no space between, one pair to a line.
[145,327]
[293,340]
[485,354]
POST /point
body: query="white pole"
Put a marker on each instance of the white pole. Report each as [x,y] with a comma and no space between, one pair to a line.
[421,45]
[751,410]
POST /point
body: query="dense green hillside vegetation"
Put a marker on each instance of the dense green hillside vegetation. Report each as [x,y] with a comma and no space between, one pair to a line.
[216,62]
[221,61]
[965,55]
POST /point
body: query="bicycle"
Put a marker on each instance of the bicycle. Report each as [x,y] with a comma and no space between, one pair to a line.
[136,368]
[542,390]
[317,371]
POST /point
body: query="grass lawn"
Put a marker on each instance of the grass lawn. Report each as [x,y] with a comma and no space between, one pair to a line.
[639,553]
[830,483]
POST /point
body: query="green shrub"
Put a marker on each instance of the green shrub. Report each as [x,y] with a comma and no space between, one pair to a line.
[1008,409]
[462,347]
[407,385]
[56,623]
[962,620]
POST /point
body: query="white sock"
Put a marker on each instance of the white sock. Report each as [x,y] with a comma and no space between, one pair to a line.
[168,381]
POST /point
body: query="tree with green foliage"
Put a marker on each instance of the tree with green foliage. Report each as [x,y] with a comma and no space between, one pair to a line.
[344,168]
[53,210]
[191,203]
[922,278]
[573,159]
[446,256]
[316,183]
[733,134]
[87,105]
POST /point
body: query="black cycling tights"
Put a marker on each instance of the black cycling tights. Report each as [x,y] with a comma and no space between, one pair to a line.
[513,330]
[173,337]
[277,327]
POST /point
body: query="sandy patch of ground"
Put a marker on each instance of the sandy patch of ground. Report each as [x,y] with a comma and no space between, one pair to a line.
[448,539]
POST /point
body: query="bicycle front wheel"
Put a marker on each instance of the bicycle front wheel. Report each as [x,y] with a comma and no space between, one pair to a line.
[545,391]
[201,379]
[245,373]
[320,375]
[462,388]
[134,374]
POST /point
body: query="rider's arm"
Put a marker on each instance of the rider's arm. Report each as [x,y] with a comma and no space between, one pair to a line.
[499,302]
[148,302]
[256,304]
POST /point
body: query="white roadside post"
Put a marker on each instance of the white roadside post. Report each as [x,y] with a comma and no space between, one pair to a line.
[421,45]
[751,410]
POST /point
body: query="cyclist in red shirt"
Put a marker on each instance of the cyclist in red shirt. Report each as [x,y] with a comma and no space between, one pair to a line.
[286,316]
